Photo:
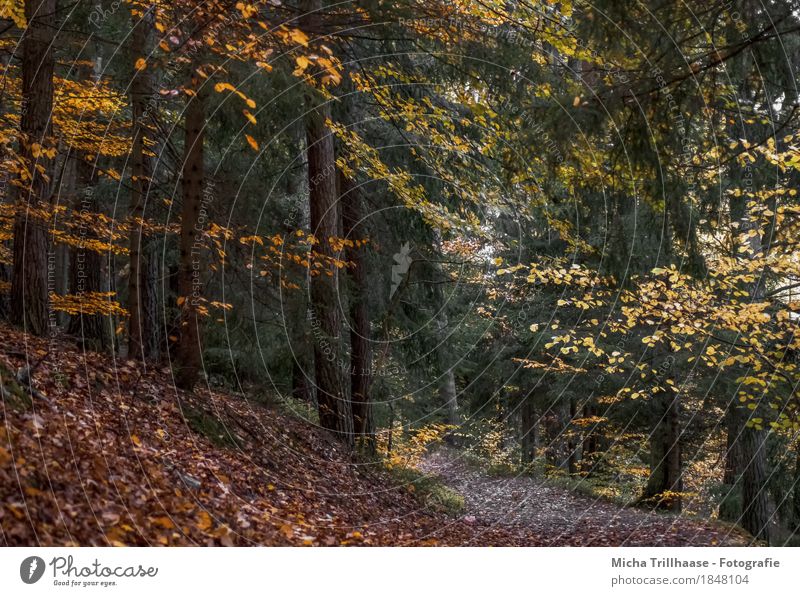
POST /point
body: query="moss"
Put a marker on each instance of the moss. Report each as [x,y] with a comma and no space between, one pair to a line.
[431,491]
[208,425]
[12,393]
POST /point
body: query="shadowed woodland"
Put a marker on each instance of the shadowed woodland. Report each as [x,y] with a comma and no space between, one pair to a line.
[399,273]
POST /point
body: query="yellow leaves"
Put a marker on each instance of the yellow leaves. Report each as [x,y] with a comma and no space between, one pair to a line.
[204,521]
[249,116]
[38,151]
[87,303]
[298,37]
[163,522]
[252,142]
[14,10]
[223,86]
[220,87]
[302,64]
[408,449]
[287,531]
[248,10]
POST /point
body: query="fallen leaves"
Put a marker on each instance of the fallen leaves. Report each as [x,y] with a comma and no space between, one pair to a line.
[76,479]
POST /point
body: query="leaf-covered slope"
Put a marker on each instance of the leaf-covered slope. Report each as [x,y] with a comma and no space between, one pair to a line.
[108,453]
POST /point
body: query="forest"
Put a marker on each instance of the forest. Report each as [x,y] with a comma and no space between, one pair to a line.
[407,272]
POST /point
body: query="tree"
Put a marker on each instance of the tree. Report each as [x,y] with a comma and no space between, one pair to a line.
[333,401]
[359,324]
[143,336]
[29,285]
[190,280]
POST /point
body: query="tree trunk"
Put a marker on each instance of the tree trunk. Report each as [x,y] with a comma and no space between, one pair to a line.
[590,442]
[360,356]
[796,491]
[189,281]
[88,270]
[29,282]
[746,476]
[529,430]
[573,439]
[143,336]
[751,451]
[755,504]
[730,509]
[447,384]
[665,482]
[333,403]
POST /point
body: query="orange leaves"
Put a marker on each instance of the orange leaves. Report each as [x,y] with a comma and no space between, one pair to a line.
[141,64]
[15,11]
[247,9]
[330,73]
[252,142]
[163,522]
[298,37]
[87,303]
[38,151]
[302,64]
[204,521]
[222,87]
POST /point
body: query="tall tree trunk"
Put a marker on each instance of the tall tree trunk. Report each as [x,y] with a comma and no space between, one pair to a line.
[143,336]
[730,509]
[755,502]
[88,269]
[189,280]
[590,442]
[751,453]
[447,381]
[796,490]
[360,355]
[529,429]
[333,403]
[665,482]
[573,439]
[29,282]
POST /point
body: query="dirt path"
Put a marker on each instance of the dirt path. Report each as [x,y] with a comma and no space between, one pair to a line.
[558,517]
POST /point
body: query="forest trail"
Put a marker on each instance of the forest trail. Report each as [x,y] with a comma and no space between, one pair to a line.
[559,517]
[102,452]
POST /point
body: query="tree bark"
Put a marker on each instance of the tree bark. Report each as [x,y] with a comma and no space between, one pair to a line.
[755,504]
[573,440]
[189,279]
[665,482]
[88,270]
[529,429]
[29,283]
[143,336]
[333,403]
[360,355]
[751,452]
[796,491]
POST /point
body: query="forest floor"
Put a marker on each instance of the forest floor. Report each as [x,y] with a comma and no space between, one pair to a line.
[98,451]
[557,516]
